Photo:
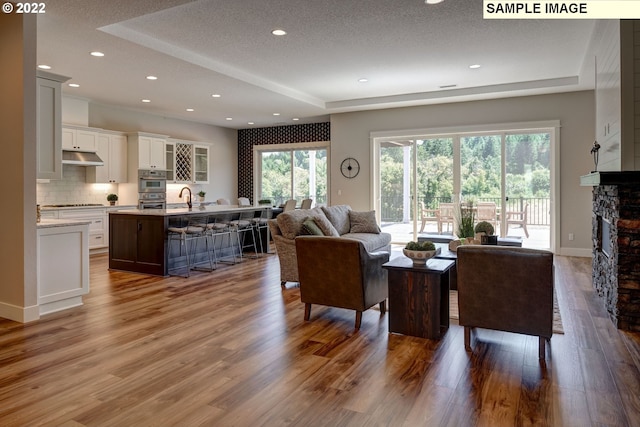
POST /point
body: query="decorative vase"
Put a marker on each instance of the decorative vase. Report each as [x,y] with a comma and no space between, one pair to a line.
[419,258]
[112,203]
[201,198]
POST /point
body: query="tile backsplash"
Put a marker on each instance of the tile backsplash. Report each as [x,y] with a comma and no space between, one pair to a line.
[72,188]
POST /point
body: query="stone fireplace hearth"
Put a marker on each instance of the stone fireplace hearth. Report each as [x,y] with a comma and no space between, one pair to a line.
[616,244]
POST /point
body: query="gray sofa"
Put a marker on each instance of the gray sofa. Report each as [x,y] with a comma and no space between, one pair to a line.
[336,221]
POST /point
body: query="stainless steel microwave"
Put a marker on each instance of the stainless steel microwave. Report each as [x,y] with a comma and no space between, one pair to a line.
[152,181]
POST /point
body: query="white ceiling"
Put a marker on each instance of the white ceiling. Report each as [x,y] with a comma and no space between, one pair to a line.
[406,49]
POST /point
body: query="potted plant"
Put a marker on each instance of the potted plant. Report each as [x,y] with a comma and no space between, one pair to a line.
[420,252]
[484,233]
[465,221]
[112,199]
[264,202]
[201,195]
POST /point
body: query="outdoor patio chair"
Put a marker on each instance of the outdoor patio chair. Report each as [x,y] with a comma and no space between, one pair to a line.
[445,216]
[488,211]
[519,218]
[427,215]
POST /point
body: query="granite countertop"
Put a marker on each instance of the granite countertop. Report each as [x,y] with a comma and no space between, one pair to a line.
[108,207]
[51,223]
[203,210]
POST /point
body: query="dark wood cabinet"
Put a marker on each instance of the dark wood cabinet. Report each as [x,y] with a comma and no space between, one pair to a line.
[137,243]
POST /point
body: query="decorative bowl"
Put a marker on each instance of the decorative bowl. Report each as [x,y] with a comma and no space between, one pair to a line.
[419,257]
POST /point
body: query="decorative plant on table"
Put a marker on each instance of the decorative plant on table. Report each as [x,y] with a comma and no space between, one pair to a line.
[112,198]
[465,221]
[264,202]
[201,195]
[420,252]
[484,233]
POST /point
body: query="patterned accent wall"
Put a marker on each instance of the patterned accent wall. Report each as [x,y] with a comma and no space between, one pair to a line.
[247,138]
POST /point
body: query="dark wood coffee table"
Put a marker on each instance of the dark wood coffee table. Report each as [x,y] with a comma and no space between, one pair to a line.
[419,297]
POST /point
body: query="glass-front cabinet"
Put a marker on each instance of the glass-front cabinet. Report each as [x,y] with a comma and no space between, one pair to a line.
[187,162]
[201,164]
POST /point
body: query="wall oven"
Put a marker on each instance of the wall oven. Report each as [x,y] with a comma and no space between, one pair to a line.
[152,189]
[152,181]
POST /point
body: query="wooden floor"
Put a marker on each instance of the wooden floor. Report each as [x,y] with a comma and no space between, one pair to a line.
[230,348]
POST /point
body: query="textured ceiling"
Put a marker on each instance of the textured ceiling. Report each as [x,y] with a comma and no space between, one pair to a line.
[406,49]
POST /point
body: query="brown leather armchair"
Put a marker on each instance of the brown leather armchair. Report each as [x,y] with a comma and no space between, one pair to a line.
[339,272]
[506,288]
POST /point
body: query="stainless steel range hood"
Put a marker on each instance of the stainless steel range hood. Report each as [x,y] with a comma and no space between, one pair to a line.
[81,158]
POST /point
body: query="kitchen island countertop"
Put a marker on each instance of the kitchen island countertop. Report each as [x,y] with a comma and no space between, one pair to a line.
[206,210]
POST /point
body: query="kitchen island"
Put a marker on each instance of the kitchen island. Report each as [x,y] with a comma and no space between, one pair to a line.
[138,238]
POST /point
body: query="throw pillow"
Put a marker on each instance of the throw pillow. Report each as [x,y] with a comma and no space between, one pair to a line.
[325,225]
[363,222]
[310,227]
[339,217]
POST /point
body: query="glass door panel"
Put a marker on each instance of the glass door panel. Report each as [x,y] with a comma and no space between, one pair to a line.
[395,168]
[275,183]
[481,176]
[435,184]
[528,188]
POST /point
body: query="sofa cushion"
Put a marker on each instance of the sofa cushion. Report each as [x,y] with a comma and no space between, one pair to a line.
[325,225]
[310,227]
[290,222]
[371,242]
[363,222]
[339,217]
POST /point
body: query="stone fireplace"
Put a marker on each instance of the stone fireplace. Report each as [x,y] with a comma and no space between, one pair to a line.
[616,244]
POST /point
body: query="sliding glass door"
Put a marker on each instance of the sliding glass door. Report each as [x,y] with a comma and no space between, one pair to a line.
[506,176]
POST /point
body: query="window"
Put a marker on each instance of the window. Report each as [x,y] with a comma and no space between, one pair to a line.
[292,173]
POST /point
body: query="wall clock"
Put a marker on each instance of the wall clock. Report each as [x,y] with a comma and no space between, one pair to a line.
[350,167]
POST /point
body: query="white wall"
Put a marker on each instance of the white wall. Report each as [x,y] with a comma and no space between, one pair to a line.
[350,134]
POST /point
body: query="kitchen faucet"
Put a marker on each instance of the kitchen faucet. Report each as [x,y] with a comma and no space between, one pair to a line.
[180,195]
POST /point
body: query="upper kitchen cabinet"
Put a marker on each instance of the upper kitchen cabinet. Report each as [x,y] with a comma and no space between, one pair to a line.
[201,164]
[49,125]
[187,162]
[146,151]
[112,149]
[79,139]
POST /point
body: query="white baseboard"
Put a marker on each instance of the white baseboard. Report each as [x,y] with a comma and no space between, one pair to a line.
[19,314]
[579,252]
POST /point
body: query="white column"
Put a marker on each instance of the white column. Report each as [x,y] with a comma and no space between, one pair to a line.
[406,183]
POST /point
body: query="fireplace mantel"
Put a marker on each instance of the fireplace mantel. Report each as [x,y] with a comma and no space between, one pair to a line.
[610,178]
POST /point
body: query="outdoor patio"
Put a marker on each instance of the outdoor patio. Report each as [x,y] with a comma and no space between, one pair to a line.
[403,232]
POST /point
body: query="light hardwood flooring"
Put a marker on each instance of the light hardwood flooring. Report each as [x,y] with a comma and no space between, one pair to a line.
[230,348]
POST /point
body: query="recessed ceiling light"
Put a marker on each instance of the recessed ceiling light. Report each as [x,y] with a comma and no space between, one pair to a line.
[474,66]
[295,119]
[74,85]
[363,80]
[278,32]
[229,118]
[190,110]
[216,95]
[96,53]
[44,67]
[276,114]
[146,100]
[250,123]
[433,1]
[152,78]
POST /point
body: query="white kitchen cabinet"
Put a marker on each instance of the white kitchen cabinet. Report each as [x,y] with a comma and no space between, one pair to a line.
[112,149]
[97,228]
[146,151]
[76,139]
[62,266]
[188,162]
[200,164]
[49,125]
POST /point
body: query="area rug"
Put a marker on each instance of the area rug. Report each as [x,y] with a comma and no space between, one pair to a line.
[557,320]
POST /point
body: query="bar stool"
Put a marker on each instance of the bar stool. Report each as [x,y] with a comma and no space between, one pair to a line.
[188,231]
[260,223]
[241,225]
[218,227]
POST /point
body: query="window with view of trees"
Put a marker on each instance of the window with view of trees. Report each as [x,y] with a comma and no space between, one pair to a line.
[293,174]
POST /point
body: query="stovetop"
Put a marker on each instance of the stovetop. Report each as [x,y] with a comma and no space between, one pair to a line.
[71,205]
